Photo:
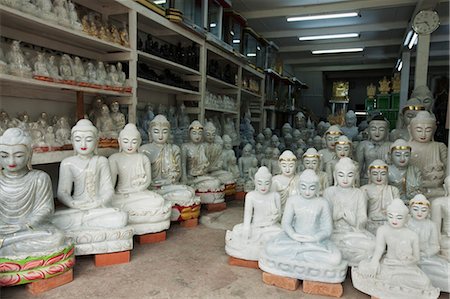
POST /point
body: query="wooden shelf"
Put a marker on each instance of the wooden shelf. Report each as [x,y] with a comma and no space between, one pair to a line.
[153,85]
[221,110]
[220,84]
[58,156]
[166,64]
[250,93]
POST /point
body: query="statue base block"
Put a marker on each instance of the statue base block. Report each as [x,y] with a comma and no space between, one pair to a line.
[41,286]
[283,282]
[372,297]
[233,261]
[215,207]
[151,238]
[323,288]
[114,258]
[240,195]
[190,223]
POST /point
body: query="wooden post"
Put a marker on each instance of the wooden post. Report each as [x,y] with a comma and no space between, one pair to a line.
[80,105]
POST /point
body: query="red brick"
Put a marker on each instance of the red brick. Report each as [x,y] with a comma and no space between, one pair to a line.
[283,282]
[114,258]
[323,288]
[190,223]
[233,261]
[215,207]
[151,238]
[44,285]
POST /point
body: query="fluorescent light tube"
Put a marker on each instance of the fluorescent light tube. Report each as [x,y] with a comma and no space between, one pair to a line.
[413,41]
[236,41]
[251,54]
[400,65]
[328,36]
[322,17]
[212,25]
[408,38]
[349,50]
[159,1]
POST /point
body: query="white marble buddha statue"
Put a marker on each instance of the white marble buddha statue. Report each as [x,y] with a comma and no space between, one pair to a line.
[166,171]
[424,95]
[349,209]
[117,116]
[392,272]
[17,63]
[328,153]
[305,241]
[131,176]
[379,194]
[262,213]
[275,167]
[428,155]
[406,177]
[194,167]
[440,214]
[377,147]
[105,124]
[312,160]
[267,132]
[85,188]
[284,183]
[408,112]
[227,152]
[436,267]
[245,162]
[343,148]
[267,159]
[350,129]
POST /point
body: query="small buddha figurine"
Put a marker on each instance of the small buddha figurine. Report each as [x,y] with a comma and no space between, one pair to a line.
[428,155]
[227,153]
[408,112]
[124,39]
[384,87]
[45,10]
[379,194]
[147,210]
[115,36]
[274,166]
[195,165]
[73,17]
[78,70]
[65,68]
[435,266]
[377,147]
[343,148]
[284,182]
[267,132]
[40,67]
[304,243]
[85,188]
[349,208]
[166,171]
[62,14]
[229,129]
[105,124]
[122,77]
[350,129]
[267,160]
[312,160]
[91,73]
[113,76]
[50,139]
[440,214]
[259,154]
[103,33]
[52,68]
[392,272]
[17,63]
[117,116]
[102,74]
[262,213]
[328,153]
[85,24]
[406,177]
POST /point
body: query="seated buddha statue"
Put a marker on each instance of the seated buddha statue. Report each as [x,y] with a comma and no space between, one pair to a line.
[166,171]
[305,241]
[85,188]
[262,213]
[331,136]
[392,271]
[131,175]
[343,148]
[408,112]
[312,160]
[440,214]
[27,238]
[349,209]
[283,183]
[194,164]
[428,155]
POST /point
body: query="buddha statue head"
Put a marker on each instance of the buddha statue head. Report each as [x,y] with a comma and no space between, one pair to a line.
[210,132]
[296,134]
[300,120]
[299,153]
[196,131]
[227,142]
[343,147]
[410,110]
[260,138]
[15,152]
[378,172]
[419,207]
[286,129]
[275,153]
[274,141]
[263,180]
[345,172]
[424,96]
[115,106]
[267,133]
[258,148]
[311,159]
[129,139]
[400,153]
[331,136]
[422,127]
[397,213]
[378,129]
[317,142]
[159,129]
[308,184]
[287,162]
[268,153]
[350,119]
[84,137]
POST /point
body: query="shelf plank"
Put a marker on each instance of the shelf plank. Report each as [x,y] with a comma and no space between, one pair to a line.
[164,63]
[153,85]
[250,93]
[58,156]
[15,19]
[221,110]
[219,83]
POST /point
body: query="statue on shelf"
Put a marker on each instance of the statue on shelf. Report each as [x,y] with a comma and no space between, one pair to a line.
[62,14]
[115,35]
[425,97]
[406,177]
[85,24]
[44,10]
[349,208]
[284,183]
[124,39]
[63,131]
[195,164]
[52,68]
[312,160]
[379,194]
[93,28]
[102,75]
[262,213]
[103,33]
[274,166]
[78,70]
[73,17]
[117,116]
[65,68]
[147,210]
[105,124]
[85,187]
[409,111]
[350,129]
[384,87]
[122,77]
[91,73]
[166,171]
[304,243]
[434,266]
[328,153]
[343,148]
[113,76]
[440,214]
[40,67]
[428,155]
[17,63]
[50,139]
[394,274]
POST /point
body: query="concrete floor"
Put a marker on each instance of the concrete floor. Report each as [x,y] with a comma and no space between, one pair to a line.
[191,263]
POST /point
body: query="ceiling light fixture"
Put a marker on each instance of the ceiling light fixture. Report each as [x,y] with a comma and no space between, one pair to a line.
[236,41]
[348,50]
[159,1]
[408,38]
[413,41]
[328,36]
[251,54]
[400,65]
[212,25]
[322,17]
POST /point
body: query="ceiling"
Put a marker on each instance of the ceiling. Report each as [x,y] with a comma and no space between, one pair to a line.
[382,25]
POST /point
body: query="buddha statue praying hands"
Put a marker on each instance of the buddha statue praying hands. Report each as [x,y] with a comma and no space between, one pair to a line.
[262,213]
[85,187]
